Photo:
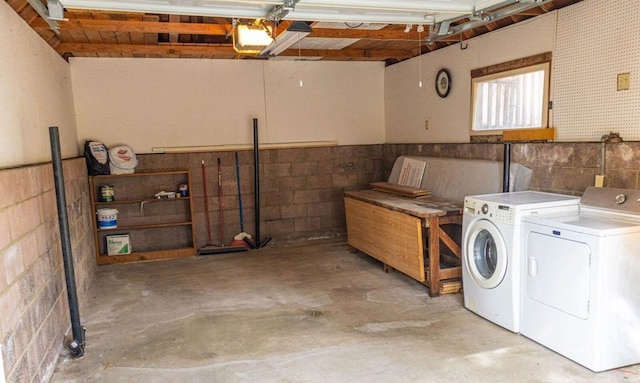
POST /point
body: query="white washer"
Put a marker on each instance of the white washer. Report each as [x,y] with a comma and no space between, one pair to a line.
[491,250]
[581,280]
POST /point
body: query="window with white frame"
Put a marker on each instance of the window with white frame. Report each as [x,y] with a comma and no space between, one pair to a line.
[510,99]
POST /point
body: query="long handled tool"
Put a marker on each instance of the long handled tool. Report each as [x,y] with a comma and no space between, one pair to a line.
[209,248]
[241,238]
[239,194]
[220,212]
[206,205]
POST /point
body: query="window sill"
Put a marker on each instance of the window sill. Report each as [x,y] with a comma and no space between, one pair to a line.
[544,134]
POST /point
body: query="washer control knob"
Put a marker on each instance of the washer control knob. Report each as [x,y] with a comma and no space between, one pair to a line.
[485,208]
[620,198]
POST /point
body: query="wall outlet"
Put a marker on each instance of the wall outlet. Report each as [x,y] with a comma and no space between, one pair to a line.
[426,124]
[599,181]
[624,80]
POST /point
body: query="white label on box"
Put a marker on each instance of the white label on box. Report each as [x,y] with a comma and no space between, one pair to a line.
[118,244]
[411,172]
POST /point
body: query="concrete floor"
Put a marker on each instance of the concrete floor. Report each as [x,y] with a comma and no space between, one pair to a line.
[313,313]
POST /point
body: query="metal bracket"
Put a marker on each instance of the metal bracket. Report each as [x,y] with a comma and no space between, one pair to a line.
[279,11]
[484,16]
[44,13]
[142,206]
[465,46]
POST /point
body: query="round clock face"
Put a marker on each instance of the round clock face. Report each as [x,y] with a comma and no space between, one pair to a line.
[443,83]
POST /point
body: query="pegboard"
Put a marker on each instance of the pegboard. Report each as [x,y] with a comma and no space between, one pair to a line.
[595,41]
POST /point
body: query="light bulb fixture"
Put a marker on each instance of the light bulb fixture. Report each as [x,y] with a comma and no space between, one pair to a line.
[251,39]
[296,32]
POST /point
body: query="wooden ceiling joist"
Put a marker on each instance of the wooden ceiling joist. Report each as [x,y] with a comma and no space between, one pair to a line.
[160,49]
[179,49]
[136,26]
[132,26]
[351,53]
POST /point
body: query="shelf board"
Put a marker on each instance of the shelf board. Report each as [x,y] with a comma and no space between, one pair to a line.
[104,259]
[137,201]
[152,226]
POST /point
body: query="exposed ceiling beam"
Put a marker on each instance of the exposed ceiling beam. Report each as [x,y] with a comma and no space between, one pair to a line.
[380,34]
[163,49]
[173,49]
[133,26]
[351,53]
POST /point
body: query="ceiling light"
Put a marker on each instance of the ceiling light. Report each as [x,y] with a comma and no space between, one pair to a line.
[296,32]
[251,39]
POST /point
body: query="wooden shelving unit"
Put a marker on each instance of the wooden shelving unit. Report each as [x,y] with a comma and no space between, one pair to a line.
[157,228]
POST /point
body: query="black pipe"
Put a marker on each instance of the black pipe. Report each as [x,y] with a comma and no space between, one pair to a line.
[256,181]
[506,167]
[77,344]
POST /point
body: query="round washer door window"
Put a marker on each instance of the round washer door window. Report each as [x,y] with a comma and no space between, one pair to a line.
[486,254]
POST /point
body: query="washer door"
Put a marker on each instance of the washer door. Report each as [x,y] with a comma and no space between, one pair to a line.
[486,254]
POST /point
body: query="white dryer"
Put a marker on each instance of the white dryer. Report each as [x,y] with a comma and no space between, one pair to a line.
[491,250]
[581,280]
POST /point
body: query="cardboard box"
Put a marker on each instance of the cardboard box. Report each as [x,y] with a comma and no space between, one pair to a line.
[118,244]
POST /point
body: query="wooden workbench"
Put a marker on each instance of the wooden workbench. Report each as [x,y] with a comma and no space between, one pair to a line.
[394,229]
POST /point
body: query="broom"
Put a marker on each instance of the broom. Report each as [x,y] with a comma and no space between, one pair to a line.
[209,248]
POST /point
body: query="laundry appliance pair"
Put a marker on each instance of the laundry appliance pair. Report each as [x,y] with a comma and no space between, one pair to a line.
[561,271]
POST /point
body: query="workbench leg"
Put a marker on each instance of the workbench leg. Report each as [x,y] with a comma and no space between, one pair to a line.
[387,268]
[434,257]
[352,249]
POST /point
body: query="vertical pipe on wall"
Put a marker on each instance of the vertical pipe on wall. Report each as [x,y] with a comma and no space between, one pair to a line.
[77,343]
[603,158]
[256,181]
[506,166]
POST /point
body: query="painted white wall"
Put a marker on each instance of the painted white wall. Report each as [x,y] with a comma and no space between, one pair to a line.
[338,101]
[147,103]
[407,106]
[35,93]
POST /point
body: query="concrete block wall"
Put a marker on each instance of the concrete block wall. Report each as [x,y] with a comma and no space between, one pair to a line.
[623,165]
[302,195]
[300,189]
[566,168]
[33,298]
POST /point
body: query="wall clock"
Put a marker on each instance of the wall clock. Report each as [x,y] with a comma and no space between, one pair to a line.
[443,83]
